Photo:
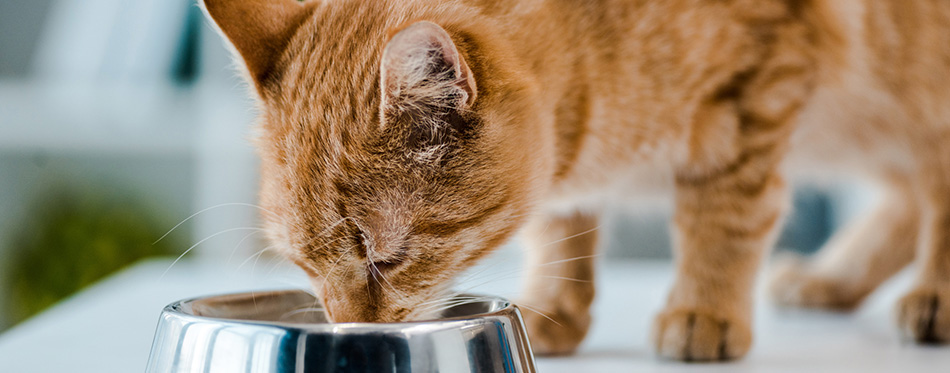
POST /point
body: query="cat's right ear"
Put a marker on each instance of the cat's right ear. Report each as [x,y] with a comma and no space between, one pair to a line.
[421,66]
[259,30]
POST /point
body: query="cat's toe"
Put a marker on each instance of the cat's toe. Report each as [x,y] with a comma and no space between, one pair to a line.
[691,335]
[923,315]
[792,285]
[555,332]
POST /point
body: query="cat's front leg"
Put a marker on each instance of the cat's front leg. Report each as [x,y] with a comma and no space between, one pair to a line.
[724,223]
[923,314]
[723,227]
[559,286]
[730,199]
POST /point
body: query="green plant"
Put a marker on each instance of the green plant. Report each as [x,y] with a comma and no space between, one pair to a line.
[71,239]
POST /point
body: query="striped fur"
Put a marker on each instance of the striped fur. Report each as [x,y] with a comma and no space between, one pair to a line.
[386,179]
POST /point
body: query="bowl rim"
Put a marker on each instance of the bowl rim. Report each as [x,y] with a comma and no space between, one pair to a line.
[178,310]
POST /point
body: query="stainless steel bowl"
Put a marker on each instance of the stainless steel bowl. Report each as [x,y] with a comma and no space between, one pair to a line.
[280,331]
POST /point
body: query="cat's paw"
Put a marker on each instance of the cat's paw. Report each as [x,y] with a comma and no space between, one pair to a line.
[691,335]
[555,333]
[792,285]
[923,315]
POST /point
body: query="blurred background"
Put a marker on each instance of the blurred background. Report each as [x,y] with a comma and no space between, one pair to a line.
[120,119]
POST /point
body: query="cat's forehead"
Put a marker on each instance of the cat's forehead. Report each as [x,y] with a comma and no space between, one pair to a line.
[328,95]
[330,86]
[333,61]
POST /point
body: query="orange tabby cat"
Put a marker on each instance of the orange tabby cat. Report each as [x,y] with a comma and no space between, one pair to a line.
[402,141]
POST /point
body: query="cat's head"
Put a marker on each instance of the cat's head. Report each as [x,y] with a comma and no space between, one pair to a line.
[399,144]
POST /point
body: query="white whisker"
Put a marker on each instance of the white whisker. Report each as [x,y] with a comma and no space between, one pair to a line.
[570,259]
[299,311]
[199,243]
[532,309]
[518,271]
[566,278]
[255,255]
[208,209]
[451,303]
[570,237]
[239,245]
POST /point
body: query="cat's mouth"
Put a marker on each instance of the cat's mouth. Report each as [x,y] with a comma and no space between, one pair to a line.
[366,311]
[378,298]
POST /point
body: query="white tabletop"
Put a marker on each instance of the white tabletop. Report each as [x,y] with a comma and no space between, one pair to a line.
[109,327]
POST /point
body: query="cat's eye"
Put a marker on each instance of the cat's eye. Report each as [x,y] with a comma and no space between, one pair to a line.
[387,265]
[392,262]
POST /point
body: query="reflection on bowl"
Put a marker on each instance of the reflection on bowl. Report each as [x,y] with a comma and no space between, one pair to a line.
[284,331]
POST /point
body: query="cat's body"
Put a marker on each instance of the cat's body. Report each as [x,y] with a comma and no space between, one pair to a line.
[397,153]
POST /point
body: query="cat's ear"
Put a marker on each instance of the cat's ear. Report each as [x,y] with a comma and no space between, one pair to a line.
[422,67]
[258,29]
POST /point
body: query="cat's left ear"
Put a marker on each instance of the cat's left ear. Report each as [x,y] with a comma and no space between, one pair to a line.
[422,67]
[259,30]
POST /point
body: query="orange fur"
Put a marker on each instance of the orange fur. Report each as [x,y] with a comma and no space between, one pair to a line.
[404,140]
